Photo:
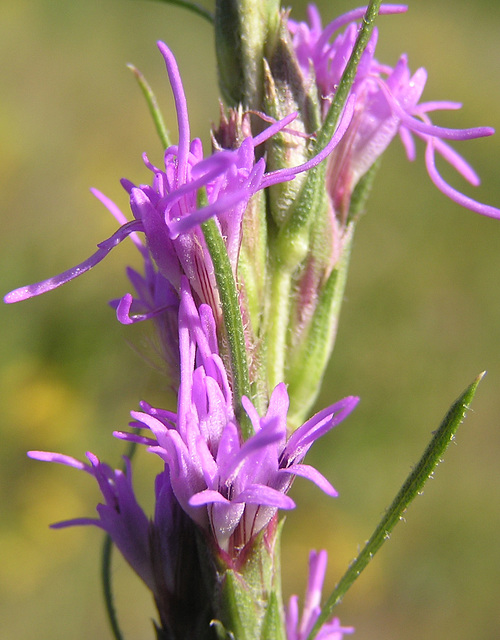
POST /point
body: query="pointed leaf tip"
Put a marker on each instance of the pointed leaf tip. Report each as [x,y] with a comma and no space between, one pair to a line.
[412,487]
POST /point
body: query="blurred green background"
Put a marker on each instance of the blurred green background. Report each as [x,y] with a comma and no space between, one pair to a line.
[421,319]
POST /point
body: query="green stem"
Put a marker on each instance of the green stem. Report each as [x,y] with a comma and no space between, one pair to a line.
[278,324]
[233,322]
[107,587]
[410,489]
[194,7]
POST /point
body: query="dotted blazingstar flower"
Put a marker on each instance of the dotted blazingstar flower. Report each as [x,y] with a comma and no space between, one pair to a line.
[162,551]
[386,104]
[228,487]
[120,515]
[300,629]
[169,214]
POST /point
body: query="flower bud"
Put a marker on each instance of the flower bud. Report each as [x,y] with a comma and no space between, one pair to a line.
[287,90]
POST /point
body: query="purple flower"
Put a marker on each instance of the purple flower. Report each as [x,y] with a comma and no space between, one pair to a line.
[120,515]
[299,629]
[228,487]
[169,211]
[387,103]
[163,552]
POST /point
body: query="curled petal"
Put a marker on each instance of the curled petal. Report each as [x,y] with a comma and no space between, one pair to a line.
[319,424]
[132,437]
[195,218]
[123,308]
[47,456]
[30,291]
[356,14]
[430,129]
[181,108]
[453,194]
[457,162]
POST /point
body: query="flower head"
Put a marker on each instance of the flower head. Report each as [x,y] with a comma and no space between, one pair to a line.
[228,487]
[300,629]
[387,103]
[120,515]
[189,190]
[162,551]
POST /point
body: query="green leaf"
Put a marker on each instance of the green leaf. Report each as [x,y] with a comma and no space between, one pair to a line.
[239,611]
[361,193]
[249,603]
[153,106]
[272,627]
[410,489]
[306,363]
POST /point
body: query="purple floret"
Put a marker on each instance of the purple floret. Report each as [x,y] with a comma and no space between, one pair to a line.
[120,515]
[386,104]
[169,214]
[228,487]
[299,629]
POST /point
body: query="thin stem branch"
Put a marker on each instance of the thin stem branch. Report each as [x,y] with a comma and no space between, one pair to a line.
[106,554]
[107,587]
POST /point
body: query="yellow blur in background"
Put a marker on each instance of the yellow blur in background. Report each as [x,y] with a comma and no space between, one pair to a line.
[421,319]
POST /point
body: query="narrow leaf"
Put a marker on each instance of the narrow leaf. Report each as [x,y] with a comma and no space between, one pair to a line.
[347,80]
[153,106]
[272,627]
[232,320]
[238,608]
[411,488]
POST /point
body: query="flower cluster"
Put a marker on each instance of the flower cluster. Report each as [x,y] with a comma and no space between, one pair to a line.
[246,375]
[169,212]
[387,103]
[230,489]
